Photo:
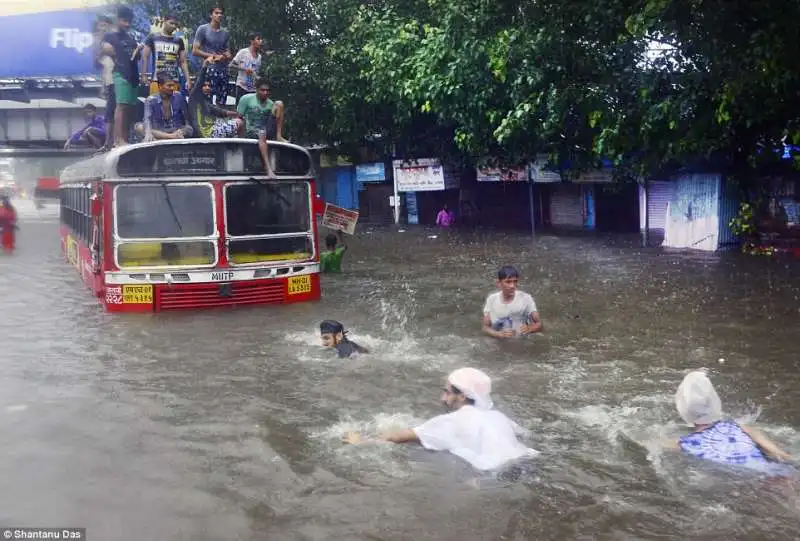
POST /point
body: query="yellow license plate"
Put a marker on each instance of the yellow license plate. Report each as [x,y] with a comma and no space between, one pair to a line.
[137,294]
[299,284]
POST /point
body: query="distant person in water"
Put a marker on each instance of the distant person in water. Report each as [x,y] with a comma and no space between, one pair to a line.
[715,439]
[510,312]
[330,260]
[471,430]
[445,218]
[334,336]
[8,224]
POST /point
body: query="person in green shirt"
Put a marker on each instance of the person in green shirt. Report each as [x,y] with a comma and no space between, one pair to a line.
[330,260]
[263,118]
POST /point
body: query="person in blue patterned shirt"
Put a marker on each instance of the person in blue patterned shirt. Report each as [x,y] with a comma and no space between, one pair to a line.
[716,439]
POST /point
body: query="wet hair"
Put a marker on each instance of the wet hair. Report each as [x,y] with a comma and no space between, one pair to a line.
[125,13]
[456,390]
[102,19]
[330,326]
[162,77]
[330,241]
[507,271]
[262,81]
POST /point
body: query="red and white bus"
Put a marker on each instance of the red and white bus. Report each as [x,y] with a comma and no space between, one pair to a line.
[191,224]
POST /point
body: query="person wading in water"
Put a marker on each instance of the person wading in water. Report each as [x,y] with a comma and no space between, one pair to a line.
[8,224]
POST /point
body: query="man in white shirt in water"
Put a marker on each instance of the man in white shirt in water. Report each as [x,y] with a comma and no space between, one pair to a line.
[509,312]
[482,436]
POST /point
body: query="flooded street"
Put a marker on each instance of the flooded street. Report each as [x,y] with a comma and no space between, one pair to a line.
[227,424]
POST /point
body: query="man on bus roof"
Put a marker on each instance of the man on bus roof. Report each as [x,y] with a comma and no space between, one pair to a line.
[208,119]
[263,118]
[165,113]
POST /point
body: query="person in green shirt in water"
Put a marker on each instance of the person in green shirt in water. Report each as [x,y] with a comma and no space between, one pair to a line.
[330,260]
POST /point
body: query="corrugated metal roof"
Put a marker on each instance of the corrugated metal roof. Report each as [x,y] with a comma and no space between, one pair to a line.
[54,104]
[11,105]
[49,103]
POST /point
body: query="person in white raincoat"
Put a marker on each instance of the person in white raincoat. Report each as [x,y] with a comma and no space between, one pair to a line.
[473,430]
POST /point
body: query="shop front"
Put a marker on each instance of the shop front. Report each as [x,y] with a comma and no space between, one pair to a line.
[427,185]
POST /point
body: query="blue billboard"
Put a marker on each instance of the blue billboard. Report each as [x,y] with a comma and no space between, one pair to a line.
[53,42]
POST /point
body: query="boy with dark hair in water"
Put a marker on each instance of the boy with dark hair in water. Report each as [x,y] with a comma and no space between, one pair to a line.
[334,336]
[509,311]
[330,260]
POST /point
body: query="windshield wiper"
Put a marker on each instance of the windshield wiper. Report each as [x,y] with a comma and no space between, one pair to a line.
[270,189]
[171,208]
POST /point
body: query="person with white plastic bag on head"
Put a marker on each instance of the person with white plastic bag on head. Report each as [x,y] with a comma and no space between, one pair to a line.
[715,439]
[473,430]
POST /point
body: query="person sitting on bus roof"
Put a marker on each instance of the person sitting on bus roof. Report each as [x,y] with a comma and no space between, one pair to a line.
[209,120]
[165,113]
[334,336]
[93,133]
[330,260]
[263,118]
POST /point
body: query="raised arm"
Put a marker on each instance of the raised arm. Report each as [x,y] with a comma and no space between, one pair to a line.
[185,66]
[767,445]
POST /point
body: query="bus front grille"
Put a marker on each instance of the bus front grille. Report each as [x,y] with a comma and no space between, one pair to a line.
[223,294]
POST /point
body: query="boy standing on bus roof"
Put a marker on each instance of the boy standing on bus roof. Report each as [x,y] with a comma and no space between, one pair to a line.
[331,259]
[248,61]
[169,53]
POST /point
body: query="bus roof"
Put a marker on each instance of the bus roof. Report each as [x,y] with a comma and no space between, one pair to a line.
[191,157]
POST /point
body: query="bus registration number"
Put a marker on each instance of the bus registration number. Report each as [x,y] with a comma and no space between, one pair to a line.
[137,294]
[299,284]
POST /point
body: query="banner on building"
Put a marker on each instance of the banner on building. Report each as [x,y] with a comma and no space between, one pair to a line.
[370,172]
[424,175]
[340,219]
[502,174]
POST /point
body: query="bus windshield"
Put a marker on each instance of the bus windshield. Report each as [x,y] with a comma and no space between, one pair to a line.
[268,221]
[165,211]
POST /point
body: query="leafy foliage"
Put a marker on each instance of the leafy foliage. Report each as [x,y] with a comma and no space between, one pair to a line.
[509,80]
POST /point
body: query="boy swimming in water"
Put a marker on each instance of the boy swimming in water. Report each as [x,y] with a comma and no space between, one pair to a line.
[510,312]
[334,336]
[715,439]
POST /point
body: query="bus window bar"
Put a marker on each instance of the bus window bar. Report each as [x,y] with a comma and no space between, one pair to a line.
[270,236]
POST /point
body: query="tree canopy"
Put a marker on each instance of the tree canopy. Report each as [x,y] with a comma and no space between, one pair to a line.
[646,84]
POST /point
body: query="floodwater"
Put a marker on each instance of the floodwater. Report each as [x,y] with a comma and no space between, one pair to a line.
[227,424]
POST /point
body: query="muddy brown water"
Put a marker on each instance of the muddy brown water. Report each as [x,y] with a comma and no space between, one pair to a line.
[227,424]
